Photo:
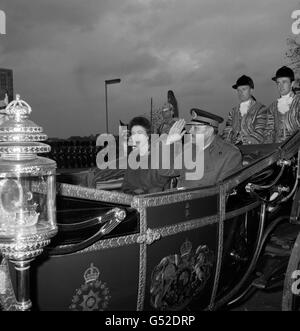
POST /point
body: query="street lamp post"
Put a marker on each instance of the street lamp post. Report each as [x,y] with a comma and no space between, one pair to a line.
[109,82]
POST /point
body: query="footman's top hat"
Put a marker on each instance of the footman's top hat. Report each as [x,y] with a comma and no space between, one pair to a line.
[200,116]
[284,72]
[242,81]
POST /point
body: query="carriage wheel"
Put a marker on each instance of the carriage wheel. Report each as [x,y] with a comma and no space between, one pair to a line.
[291,289]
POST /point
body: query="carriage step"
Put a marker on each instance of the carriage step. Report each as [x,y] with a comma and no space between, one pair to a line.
[282,240]
[273,250]
[270,272]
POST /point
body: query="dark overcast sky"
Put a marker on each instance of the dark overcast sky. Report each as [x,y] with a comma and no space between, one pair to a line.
[61,52]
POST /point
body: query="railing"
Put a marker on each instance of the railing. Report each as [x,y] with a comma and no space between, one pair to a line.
[73,154]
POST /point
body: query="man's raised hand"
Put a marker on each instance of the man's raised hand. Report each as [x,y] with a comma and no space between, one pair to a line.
[176,132]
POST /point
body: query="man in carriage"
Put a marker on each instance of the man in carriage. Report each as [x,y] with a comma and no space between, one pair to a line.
[220,158]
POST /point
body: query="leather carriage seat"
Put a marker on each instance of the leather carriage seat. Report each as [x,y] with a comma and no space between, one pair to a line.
[254,152]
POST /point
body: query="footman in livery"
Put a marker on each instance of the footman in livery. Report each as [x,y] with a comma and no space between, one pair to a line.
[284,113]
[246,122]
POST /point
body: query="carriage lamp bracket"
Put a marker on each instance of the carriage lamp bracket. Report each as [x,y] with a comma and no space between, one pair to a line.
[233,192]
[285,189]
[284,163]
[282,189]
[112,219]
[280,198]
[251,187]
[119,216]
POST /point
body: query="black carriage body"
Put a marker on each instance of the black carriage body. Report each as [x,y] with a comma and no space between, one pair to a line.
[176,250]
[173,253]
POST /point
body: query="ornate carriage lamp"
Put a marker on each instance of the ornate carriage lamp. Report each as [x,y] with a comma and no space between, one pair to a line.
[27,194]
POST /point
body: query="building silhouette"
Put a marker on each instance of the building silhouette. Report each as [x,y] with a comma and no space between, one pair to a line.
[6,83]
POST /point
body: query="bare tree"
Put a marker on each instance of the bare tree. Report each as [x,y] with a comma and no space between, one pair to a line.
[293,57]
[157,119]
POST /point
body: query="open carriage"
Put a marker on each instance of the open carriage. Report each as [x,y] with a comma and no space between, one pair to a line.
[193,249]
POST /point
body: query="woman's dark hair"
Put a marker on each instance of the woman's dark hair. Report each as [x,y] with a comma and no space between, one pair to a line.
[141,121]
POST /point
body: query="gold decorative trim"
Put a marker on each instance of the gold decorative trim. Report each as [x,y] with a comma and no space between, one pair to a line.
[31,171]
[43,148]
[143,262]
[23,137]
[108,243]
[74,191]
[149,237]
[18,108]
[134,238]
[169,197]
[144,202]
[23,251]
[23,129]
[186,226]
[222,212]
[19,136]
[33,238]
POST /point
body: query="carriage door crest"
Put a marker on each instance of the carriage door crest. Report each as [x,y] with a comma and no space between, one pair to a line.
[178,278]
[93,295]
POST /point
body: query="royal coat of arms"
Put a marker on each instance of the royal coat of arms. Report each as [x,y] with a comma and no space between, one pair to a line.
[178,278]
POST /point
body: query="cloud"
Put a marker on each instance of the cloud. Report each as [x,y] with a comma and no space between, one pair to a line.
[62,51]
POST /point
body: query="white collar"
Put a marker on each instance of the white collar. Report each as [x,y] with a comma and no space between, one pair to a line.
[244,107]
[284,103]
[287,96]
[245,102]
